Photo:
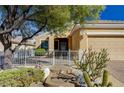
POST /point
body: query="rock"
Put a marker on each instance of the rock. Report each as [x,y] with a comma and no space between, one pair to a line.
[76,72]
[54,82]
[46,72]
[58,68]
[79,77]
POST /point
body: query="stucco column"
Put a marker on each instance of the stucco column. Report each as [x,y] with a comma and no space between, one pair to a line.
[70,43]
[51,43]
[84,41]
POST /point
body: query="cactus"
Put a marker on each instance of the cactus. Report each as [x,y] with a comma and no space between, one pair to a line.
[93,62]
[105,78]
[104,83]
[87,79]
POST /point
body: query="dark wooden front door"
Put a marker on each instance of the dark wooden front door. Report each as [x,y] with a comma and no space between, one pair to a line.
[61,44]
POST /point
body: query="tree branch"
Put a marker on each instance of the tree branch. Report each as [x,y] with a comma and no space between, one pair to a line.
[35,20]
[20,20]
[25,12]
[26,38]
[15,26]
[14,12]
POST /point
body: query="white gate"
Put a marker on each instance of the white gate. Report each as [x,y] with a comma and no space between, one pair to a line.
[65,57]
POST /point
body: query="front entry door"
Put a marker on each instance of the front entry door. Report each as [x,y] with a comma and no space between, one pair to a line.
[63,46]
[61,50]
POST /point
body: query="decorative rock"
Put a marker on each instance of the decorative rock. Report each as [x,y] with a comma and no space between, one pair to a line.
[79,77]
[56,82]
[46,72]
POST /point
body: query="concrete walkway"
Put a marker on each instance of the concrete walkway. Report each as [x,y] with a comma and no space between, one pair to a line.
[115,82]
[116,71]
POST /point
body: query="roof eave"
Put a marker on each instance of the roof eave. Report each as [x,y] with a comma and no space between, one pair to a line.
[105,33]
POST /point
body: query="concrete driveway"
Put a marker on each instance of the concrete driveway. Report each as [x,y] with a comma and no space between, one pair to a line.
[116,69]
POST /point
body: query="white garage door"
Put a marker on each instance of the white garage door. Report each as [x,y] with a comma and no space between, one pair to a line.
[115,46]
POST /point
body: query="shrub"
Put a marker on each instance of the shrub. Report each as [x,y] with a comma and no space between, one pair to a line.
[40,52]
[93,63]
[22,77]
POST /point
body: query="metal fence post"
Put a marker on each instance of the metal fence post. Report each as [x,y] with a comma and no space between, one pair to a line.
[53,58]
[25,57]
[69,59]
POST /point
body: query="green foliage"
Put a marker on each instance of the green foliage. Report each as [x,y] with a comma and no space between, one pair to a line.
[60,16]
[104,83]
[81,13]
[40,52]
[93,63]
[22,77]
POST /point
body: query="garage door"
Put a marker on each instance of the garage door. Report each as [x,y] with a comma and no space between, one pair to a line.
[115,46]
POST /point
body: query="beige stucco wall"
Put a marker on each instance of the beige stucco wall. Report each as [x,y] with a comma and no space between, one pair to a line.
[51,43]
[115,46]
[70,42]
[75,40]
[83,41]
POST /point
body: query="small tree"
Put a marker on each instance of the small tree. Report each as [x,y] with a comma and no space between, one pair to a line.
[93,63]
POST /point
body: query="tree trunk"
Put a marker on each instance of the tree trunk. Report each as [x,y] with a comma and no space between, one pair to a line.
[7,43]
[7,59]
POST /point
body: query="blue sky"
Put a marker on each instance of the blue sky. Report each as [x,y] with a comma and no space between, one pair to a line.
[113,12]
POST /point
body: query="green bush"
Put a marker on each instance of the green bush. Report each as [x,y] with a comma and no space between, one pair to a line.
[22,77]
[40,52]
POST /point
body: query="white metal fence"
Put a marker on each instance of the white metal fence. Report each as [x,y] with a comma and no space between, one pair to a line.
[65,57]
[22,57]
[27,57]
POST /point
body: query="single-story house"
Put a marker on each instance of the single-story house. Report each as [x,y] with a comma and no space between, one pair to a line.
[93,34]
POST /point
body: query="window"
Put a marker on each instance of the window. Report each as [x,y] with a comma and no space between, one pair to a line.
[44,44]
